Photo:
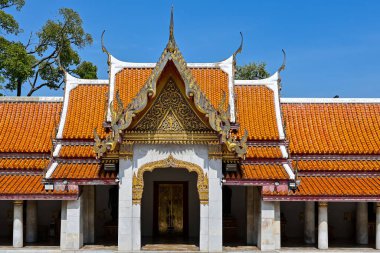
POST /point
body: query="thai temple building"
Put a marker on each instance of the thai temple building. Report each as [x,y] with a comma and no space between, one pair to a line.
[182,156]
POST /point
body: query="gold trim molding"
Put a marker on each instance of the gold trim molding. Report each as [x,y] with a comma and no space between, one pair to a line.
[170,162]
[322,204]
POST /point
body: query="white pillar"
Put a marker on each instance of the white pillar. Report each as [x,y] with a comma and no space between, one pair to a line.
[266,238]
[125,235]
[362,223]
[215,208]
[277,224]
[249,199]
[323,236]
[378,225]
[31,221]
[74,225]
[309,233]
[18,241]
[136,227]
[89,214]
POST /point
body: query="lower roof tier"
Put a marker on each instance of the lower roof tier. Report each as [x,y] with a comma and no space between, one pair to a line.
[329,188]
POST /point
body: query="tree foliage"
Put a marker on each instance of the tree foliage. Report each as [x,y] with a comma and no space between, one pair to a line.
[251,71]
[37,62]
[7,22]
[86,70]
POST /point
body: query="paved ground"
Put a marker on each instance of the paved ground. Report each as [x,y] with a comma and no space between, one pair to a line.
[152,248]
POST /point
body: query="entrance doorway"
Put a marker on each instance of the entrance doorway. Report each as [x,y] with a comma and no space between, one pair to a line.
[170,211]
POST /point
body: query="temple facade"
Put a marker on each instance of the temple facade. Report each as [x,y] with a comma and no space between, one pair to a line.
[182,156]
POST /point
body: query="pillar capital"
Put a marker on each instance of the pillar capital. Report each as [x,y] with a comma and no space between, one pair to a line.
[18,202]
[323,204]
[377,204]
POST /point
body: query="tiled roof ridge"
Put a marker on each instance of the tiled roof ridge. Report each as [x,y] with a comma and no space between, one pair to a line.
[339,174]
[19,172]
[23,99]
[330,100]
[25,155]
[87,160]
[336,158]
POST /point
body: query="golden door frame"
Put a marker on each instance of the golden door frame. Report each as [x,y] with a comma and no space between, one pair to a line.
[170,162]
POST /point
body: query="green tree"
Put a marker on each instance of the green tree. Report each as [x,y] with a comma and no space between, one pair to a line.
[7,22]
[86,70]
[251,71]
[37,62]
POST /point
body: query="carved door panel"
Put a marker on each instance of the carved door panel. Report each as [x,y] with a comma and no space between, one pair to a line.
[171,205]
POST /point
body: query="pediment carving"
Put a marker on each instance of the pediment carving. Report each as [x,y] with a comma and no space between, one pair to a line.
[170,112]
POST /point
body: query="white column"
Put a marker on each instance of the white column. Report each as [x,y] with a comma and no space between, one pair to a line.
[89,214]
[249,199]
[18,241]
[31,221]
[378,225]
[125,235]
[136,227]
[362,223]
[309,233]
[266,238]
[215,207]
[203,228]
[277,224]
[323,236]
[74,225]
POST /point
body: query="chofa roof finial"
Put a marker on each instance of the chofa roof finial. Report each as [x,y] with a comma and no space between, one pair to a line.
[171,44]
[282,67]
[104,49]
[238,51]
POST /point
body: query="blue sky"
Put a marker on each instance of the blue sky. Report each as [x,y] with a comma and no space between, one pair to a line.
[333,46]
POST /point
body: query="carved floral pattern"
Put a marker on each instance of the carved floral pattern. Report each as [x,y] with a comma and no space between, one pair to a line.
[173,113]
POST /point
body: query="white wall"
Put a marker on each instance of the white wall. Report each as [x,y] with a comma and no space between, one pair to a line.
[169,174]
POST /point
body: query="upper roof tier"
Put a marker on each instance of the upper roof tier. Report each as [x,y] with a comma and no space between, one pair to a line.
[332,126]
[28,124]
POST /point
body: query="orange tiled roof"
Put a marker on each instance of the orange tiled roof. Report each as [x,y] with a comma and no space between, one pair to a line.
[258,172]
[256,112]
[28,126]
[22,163]
[337,165]
[212,81]
[263,152]
[335,186]
[26,185]
[87,104]
[335,128]
[81,171]
[81,151]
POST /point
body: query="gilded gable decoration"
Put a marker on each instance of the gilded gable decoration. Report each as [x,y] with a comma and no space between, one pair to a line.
[172,113]
[219,120]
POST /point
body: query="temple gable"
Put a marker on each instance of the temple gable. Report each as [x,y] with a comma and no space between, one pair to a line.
[170,112]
